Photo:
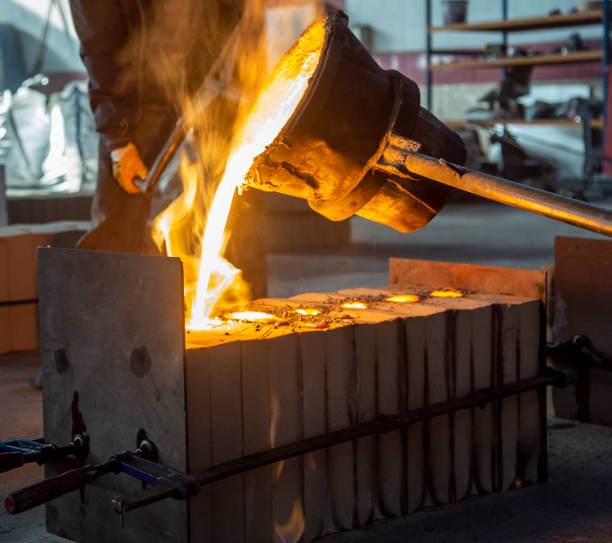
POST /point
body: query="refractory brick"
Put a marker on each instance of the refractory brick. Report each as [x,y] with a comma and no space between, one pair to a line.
[284,383]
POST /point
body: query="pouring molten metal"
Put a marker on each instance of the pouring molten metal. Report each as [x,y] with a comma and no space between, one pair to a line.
[359,143]
[334,128]
[271,110]
[300,138]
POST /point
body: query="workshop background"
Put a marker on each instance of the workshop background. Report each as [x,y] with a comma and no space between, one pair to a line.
[530,104]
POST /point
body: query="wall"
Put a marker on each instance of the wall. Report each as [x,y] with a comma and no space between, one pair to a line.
[399,25]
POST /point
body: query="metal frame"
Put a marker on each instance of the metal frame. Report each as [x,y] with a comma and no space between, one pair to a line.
[504,11]
[167,483]
[380,425]
[112,349]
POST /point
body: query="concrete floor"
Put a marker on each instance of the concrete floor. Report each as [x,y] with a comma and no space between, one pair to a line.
[576,503]
[476,233]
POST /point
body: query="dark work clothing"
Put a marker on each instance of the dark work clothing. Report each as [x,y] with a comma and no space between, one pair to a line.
[120,221]
[123,112]
[116,100]
[143,54]
[143,58]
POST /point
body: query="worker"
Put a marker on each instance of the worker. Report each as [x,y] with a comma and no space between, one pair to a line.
[141,56]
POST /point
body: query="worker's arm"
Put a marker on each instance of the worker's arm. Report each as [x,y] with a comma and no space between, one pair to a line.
[103,30]
[114,92]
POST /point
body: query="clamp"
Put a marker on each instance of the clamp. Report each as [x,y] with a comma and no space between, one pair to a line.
[17,452]
[139,464]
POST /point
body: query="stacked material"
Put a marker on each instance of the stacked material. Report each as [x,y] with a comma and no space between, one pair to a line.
[322,362]
[18,291]
[115,363]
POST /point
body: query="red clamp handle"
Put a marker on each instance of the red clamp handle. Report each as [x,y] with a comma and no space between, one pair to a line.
[44,491]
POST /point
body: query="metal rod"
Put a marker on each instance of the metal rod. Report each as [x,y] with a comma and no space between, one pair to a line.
[19,302]
[166,154]
[478,398]
[383,424]
[514,194]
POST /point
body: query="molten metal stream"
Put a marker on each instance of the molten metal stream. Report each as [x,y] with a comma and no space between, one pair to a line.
[283,95]
[271,111]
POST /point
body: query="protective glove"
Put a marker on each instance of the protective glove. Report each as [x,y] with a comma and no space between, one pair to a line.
[127,165]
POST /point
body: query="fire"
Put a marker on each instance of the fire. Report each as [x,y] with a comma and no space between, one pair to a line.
[354,305]
[403,298]
[253,316]
[292,530]
[308,311]
[273,107]
[446,293]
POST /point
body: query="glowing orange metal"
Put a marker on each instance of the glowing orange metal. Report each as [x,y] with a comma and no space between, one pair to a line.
[446,293]
[307,311]
[253,316]
[403,298]
[354,305]
[207,274]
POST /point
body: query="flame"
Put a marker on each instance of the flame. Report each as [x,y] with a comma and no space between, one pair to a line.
[253,316]
[292,530]
[403,298]
[446,293]
[354,305]
[210,276]
[307,311]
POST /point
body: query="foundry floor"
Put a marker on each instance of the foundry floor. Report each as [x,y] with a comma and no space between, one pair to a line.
[488,234]
[574,505]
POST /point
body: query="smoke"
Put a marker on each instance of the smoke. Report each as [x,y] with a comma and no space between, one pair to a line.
[205,62]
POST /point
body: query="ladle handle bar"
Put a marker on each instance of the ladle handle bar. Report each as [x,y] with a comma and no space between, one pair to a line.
[511,193]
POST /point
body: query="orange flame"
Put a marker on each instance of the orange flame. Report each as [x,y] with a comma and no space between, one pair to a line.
[210,275]
[446,293]
[273,108]
[403,298]
[292,530]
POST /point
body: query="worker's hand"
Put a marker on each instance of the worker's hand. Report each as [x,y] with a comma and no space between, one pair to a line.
[127,165]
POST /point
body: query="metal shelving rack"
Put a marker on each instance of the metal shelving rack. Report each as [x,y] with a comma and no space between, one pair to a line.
[505,26]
